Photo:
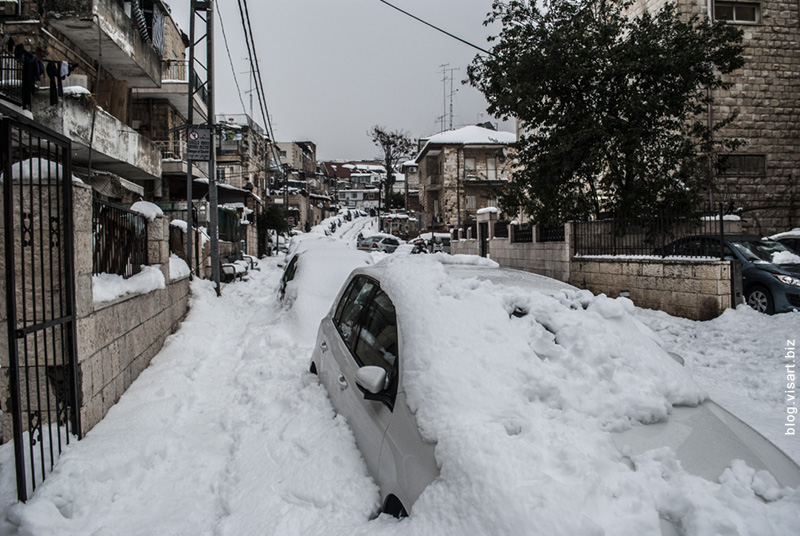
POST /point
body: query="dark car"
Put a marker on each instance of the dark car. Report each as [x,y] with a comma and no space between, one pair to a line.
[770,270]
[790,239]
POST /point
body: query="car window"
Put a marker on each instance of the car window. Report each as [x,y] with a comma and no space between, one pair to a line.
[377,339]
[349,309]
[392,242]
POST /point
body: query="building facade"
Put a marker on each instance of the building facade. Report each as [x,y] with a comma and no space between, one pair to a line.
[761,179]
[460,172]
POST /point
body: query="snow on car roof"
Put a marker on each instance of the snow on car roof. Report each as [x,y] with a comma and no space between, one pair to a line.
[794,233]
[521,388]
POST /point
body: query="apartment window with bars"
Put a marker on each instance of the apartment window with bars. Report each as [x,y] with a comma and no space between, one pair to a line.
[469,165]
[738,12]
[471,202]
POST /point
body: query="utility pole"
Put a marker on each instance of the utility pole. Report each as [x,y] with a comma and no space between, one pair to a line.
[213,224]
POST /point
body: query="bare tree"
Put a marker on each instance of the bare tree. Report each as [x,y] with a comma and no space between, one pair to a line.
[396,146]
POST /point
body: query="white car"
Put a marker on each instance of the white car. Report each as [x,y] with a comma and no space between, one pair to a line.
[380,242]
[529,396]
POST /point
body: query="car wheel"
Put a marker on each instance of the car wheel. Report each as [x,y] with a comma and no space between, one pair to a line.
[760,299]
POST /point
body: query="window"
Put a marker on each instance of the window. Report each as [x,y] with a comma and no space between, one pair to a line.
[377,338]
[742,164]
[469,165]
[471,203]
[353,301]
[739,12]
[491,169]
[370,196]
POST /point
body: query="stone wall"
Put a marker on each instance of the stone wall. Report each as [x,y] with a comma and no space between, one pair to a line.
[117,340]
[695,289]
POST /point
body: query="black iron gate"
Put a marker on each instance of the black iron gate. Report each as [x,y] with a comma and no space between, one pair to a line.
[39,377]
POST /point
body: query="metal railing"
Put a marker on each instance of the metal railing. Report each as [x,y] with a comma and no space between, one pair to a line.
[501,229]
[651,235]
[172,149]
[120,240]
[175,70]
[522,235]
[10,78]
[551,234]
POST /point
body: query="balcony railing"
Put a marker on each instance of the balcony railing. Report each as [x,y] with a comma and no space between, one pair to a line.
[10,79]
[433,180]
[172,149]
[175,70]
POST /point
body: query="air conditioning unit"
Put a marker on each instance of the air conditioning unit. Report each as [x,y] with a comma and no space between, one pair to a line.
[9,8]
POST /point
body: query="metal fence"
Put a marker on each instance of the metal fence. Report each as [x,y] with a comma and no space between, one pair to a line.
[551,234]
[38,383]
[646,235]
[501,229]
[230,228]
[10,78]
[120,240]
[522,235]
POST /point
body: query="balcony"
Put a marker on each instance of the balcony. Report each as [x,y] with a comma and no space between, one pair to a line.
[125,54]
[175,89]
[175,162]
[433,182]
[117,148]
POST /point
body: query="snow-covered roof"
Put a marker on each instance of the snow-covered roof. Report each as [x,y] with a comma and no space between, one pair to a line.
[794,233]
[471,135]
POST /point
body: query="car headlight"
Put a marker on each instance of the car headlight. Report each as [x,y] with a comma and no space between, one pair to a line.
[787,280]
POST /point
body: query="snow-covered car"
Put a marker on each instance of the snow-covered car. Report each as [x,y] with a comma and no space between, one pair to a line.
[790,239]
[770,271]
[379,242]
[514,400]
[312,274]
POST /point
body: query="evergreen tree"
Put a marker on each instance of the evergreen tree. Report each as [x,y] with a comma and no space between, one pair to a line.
[614,108]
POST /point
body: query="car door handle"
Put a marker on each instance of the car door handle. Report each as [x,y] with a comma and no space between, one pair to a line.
[324,346]
[342,382]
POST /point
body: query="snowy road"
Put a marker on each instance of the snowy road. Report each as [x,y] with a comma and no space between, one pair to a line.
[227,434]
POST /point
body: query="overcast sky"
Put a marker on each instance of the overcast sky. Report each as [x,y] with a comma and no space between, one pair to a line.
[334,68]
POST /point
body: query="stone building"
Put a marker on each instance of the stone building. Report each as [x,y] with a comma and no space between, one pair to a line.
[460,172]
[762,178]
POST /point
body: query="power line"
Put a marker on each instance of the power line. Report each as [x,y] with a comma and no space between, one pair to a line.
[230,60]
[244,13]
[437,28]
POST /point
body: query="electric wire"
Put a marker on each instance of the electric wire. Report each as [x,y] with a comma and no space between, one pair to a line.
[230,60]
[438,29]
[254,66]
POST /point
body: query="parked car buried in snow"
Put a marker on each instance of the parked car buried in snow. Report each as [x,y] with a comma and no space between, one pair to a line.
[379,242]
[512,399]
[770,271]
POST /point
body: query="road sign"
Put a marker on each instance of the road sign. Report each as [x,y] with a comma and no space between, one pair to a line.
[199,143]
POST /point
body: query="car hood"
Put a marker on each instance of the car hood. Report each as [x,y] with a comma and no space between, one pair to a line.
[783,269]
[706,439]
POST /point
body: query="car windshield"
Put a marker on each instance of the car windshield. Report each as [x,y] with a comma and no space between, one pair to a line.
[765,251]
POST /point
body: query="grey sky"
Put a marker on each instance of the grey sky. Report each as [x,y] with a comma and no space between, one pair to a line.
[334,68]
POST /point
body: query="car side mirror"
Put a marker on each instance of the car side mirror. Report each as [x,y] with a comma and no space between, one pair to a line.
[371,378]
[372,382]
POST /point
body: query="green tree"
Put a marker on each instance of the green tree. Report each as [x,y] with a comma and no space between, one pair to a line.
[615,108]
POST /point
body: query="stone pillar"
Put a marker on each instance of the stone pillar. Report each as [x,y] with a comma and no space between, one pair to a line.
[158,244]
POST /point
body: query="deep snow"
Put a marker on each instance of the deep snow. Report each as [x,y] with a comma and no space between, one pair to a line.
[226,433]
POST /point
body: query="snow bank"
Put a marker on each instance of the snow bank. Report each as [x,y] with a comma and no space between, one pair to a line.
[522,407]
[177,268]
[108,287]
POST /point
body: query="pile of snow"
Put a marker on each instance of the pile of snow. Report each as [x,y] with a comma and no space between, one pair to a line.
[322,268]
[108,287]
[149,210]
[794,233]
[785,257]
[76,91]
[522,410]
[178,268]
[35,169]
